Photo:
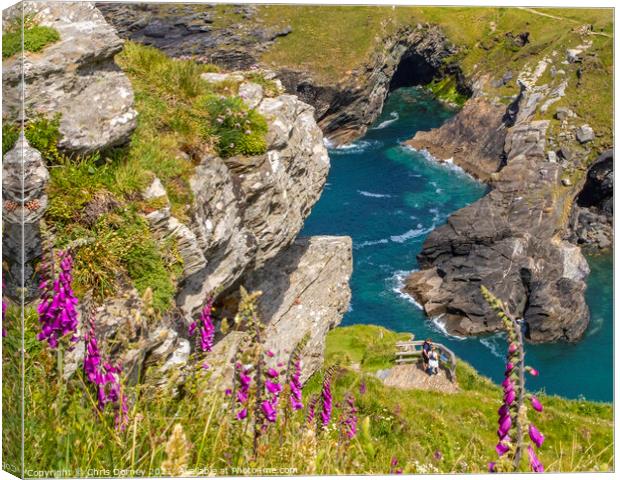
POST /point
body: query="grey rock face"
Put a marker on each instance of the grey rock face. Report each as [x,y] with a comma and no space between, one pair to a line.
[592,217]
[473,139]
[584,134]
[509,242]
[71,76]
[131,336]
[305,290]
[24,200]
[247,209]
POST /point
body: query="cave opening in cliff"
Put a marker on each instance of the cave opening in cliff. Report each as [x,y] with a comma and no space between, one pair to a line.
[413,70]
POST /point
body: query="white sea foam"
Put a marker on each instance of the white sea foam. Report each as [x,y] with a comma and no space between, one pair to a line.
[596,323]
[397,282]
[368,243]
[440,324]
[413,233]
[496,344]
[448,162]
[385,123]
[355,147]
[373,195]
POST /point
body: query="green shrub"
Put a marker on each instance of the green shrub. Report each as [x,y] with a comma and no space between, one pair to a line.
[35,38]
[240,130]
[43,134]
[446,91]
[10,134]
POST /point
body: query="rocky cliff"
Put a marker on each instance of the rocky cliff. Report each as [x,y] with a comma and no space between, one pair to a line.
[344,108]
[511,240]
[70,76]
[240,226]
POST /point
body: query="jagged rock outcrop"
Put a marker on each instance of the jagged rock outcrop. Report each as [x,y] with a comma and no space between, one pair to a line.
[247,209]
[592,217]
[510,242]
[245,216]
[68,76]
[473,139]
[24,200]
[305,291]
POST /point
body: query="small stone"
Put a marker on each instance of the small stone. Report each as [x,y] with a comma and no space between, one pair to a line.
[562,113]
[584,134]
[213,77]
[566,182]
[566,153]
[552,156]
[155,190]
[251,93]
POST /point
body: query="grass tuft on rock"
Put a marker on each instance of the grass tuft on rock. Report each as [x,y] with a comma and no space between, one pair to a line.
[36,37]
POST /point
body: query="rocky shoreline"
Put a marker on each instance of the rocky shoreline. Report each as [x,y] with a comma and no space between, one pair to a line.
[517,239]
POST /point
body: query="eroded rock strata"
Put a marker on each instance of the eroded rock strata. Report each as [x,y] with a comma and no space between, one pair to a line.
[509,241]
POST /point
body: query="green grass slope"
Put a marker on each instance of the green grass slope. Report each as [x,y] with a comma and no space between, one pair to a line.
[426,432]
[352,35]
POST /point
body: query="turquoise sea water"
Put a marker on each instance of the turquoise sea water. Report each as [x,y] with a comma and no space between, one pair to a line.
[388,198]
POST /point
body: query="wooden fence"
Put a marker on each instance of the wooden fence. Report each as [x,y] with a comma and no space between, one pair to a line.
[411,352]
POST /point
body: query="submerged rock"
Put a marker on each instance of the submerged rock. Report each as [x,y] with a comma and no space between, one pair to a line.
[75,77]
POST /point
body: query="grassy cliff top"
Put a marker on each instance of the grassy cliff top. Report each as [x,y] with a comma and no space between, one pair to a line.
[332,42]
[578,433]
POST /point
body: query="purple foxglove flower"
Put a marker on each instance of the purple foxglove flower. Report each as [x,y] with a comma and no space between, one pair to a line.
[507,385]
[510,397]
[491,467]
[207,327]
[243,391]
[350,418]
[532,371]
[534,462]
[503,410]
[509,367]
[512,348]
[269,353]
[537,437]
[437,455]
[326,397]
[269,411]
[536,404]
[362,388]
[228,392]
[272,387]
[295,385]
[272,372]
[505,424]
[501,448]
[312,408]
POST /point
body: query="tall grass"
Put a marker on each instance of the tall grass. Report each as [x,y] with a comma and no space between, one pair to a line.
[425,431]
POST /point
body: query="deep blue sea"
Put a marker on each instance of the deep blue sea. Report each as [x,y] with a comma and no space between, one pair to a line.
[388,198]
